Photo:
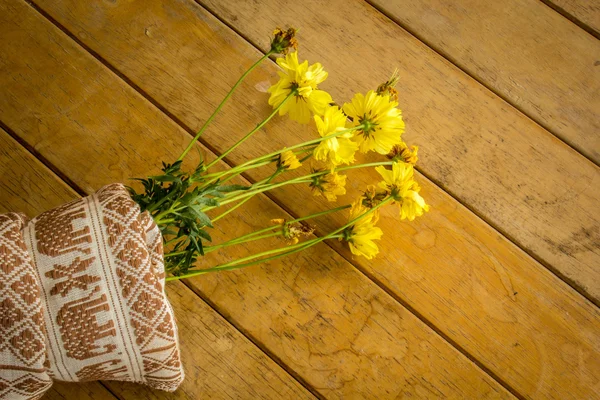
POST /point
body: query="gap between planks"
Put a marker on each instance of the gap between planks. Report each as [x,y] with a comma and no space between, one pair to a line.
[569,282]
[60,176]
[571,18]
[147,97]
[79,191]
[192,133]
[496,92]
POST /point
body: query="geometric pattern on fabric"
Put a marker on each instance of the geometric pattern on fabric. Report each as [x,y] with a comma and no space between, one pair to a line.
[23,374]
[82,298]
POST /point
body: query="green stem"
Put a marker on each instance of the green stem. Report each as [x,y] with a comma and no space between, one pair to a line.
[301,179]
[239,172]
[253,131]
[285,251]
[241,203]
[160,202]
[208,249]
[225,267]
[217,175]
[244,238]
[304,144]
[209,120]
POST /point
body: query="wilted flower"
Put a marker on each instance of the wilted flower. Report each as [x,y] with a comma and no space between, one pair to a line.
[283,41]
[292,232]
[389,86]
[401,152]
[371,197]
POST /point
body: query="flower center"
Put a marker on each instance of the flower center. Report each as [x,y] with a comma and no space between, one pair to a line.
[368,125]
[294,88]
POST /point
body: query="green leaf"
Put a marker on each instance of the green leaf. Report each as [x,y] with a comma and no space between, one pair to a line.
[203,234]
[203,218]
[207,201]
[165,178]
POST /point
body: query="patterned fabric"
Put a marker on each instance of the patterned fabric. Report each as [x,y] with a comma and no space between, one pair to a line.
[22,335]
[99,276]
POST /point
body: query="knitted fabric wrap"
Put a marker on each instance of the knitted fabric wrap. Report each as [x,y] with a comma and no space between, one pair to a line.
[94,267]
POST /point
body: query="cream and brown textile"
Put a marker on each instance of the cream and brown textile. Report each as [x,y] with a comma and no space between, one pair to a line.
[82,298]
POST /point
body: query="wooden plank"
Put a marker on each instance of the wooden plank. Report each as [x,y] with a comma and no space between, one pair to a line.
[26,187]
[585,11]
[450,266]
[549,208]
[526,52]
[520,178]
[375,348]
[79,391]
[219,362]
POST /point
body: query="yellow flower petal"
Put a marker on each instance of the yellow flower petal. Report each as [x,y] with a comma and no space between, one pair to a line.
[383,118]
[400,183]
[339,149]
[362,234]
[303,79]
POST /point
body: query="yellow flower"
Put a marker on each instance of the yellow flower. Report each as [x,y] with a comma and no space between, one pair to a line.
[288,160]
[401,152]
[329,185]
[339,149]
[361,235]
[301,79]
[405,190]
[382,121]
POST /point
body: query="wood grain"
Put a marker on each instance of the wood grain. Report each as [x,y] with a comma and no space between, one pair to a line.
[219,362]
[533,57]
[376,350]
[474,285]
[519,177]
[481,270]
[79,391]
[586,11]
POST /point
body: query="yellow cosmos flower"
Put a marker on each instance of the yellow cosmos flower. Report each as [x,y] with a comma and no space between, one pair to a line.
[382,120]
[303,80]
[361,235]
[400,183]
[288,160]
[339,149]
[330,185]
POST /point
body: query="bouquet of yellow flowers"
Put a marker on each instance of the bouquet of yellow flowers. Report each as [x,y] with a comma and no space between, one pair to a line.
[84,282]
[371,122]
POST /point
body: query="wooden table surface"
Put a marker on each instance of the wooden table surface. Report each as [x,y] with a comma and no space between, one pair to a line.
[492,294]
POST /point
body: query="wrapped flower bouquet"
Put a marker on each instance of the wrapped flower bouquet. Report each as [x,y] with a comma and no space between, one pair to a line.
[82,292]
